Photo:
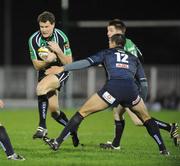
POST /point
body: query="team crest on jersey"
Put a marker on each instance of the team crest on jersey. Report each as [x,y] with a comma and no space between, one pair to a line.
[110,99]
[67,45]
[122,65]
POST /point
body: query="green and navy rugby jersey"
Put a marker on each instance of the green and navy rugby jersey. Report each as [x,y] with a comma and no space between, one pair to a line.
[132,48]
[37,40]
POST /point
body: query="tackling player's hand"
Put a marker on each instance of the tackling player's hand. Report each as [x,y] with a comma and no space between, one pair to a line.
[54,70]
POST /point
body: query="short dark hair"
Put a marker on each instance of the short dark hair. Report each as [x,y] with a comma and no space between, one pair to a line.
[46,16]
[119,24]
[119,39]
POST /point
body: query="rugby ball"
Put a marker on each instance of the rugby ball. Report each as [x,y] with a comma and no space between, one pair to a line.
[43,53]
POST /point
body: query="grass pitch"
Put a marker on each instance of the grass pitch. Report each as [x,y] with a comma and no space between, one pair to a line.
[137,147]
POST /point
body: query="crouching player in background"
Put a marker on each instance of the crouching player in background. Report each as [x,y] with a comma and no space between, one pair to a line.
[6,143]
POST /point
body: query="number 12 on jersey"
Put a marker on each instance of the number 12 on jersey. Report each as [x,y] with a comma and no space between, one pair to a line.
[122,60]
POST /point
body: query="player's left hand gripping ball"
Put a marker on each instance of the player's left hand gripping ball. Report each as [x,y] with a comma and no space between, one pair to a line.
[43,53]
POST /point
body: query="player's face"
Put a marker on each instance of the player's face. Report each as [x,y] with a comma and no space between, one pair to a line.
[46,28]
[111,30]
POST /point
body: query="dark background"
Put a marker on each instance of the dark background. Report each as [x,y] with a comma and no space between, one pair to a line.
[159,45]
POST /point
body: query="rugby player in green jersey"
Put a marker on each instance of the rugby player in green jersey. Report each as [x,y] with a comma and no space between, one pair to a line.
[117,26]
[49,46]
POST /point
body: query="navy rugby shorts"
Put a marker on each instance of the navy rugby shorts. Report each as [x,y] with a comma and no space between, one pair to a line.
[124,92]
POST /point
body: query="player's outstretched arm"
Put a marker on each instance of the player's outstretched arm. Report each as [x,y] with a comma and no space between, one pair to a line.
[69,67]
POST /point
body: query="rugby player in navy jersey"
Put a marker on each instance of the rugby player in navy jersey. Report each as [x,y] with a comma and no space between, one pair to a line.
[49,46]
[5,142]
[117,26]
[120,88]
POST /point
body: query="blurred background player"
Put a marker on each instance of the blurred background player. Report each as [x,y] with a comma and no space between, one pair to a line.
[117,26]
[48,41]
[6,143]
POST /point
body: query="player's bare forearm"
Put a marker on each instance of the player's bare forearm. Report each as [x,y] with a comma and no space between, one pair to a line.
[64,59]
[39,65]
[60,55]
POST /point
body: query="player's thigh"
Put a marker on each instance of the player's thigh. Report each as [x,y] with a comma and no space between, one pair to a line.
[92,105]
[48,83]
[53,102]
[141,111]
[118,112]
[134,117]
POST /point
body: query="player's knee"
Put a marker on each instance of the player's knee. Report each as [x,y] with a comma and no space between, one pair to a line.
[118,114]
[40,90]
[138,123]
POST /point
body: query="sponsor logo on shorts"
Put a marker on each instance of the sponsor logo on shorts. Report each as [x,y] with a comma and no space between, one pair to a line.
[110,99]
[136,101]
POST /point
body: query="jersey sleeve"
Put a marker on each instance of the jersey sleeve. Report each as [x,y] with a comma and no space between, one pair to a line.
[32,50]
[67,50]
[81,64]
[141,81]
[96,59]
[140,74]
